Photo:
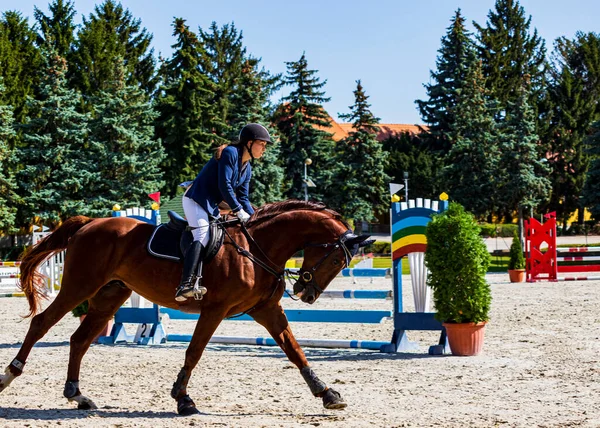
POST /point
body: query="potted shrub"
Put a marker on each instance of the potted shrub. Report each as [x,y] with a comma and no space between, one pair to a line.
[457,259]
[516,264]
[80,311]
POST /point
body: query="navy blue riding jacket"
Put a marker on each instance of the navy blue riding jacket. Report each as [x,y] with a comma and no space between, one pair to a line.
[223,179]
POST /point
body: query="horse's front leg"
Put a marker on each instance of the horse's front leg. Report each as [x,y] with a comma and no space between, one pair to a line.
[206,326]
[273,318]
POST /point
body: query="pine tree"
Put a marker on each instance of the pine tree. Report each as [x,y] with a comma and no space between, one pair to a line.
[361,183]
[187,118]
[223,56]
[8,197]
[302,122]
[509,51]
[123,147]
[250,104]
[20,61]
[454,58]
[110,33]
[56,167]
[471,167]
[524,175]
[574,91]
[592,185]
[407,153]
[58,29]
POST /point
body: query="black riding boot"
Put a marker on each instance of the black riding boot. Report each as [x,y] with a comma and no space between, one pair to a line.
[192,266]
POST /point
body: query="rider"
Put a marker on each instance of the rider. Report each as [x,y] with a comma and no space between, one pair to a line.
[225,177]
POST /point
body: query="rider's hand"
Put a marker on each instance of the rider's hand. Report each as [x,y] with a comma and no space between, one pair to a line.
[243,216]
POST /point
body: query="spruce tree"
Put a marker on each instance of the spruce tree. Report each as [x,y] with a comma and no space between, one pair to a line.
[8,197]
[108,34]
[408,153]
[56,170]
[123,147]
[360,184]
[471,167]
[302,124]
[20,62]
[455,55]
[523,173]
[250,104]
[592,185]
[58,29]
[509,51]
[574,91]
[222,59]
[187,118]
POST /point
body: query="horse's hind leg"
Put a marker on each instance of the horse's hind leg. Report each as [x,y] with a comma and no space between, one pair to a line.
[101,309]
[273,318]
[40,324]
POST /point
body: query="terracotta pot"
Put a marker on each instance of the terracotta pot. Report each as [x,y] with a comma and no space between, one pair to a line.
[465,339]
[516,275]
[105,331]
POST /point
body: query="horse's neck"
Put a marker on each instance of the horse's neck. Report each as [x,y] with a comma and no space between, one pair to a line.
[281,237]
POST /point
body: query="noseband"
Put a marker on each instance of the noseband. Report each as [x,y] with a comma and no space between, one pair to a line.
[306,278]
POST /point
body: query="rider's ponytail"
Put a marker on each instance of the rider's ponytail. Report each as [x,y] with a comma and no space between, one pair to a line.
[219,150]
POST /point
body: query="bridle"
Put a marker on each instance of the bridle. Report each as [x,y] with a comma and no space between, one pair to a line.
[306,278]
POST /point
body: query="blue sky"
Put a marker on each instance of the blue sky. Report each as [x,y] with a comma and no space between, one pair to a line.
[390,45]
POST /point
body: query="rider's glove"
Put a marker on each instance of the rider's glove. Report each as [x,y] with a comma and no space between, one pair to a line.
[243,216]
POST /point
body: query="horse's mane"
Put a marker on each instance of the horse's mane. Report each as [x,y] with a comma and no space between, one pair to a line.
[269,211]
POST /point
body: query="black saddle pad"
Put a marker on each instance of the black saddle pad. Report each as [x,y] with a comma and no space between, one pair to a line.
[171,240]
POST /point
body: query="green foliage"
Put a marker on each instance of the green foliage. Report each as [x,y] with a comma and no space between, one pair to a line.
[360,183]
[379,247]
[407,153]
[187,115]
[517,261]
[509,51]
[56,169]
[57,31]
[497,230]
[20,62]
[301,120]
[455,56]
[523,176]
[81,309]
[8,197]
[109,34]
[122,144]
[592,189]
[471,165]
[575,90]
[457,260]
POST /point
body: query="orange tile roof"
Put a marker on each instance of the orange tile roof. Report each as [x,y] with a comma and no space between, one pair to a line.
[386,130]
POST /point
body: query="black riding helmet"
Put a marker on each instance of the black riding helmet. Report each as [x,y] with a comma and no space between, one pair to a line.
[251,132]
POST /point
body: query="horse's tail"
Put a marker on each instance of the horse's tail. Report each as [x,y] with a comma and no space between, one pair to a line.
[31,281]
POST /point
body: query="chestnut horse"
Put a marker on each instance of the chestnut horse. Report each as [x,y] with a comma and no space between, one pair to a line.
[106,259]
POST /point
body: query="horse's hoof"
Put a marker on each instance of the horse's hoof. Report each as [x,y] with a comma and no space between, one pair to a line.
[333,400]
[186,406]
[84,403]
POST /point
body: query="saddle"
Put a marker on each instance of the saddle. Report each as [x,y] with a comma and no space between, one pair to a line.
[171,240]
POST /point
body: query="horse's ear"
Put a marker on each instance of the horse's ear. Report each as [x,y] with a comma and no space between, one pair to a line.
[361,240]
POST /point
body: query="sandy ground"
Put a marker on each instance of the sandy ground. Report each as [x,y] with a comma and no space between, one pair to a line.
[540,367]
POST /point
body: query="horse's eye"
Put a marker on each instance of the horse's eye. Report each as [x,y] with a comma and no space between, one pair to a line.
[336,262]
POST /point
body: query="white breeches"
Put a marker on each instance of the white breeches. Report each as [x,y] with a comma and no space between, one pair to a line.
[198,219]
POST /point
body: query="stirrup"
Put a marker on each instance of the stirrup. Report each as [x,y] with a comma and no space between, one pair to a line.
[188,290]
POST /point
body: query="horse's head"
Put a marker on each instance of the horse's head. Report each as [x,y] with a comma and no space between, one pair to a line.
[323,261]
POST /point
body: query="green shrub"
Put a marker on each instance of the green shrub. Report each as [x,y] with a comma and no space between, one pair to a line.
[457,260]
[516,261]
[489,230]
[80,309]
[379,247]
